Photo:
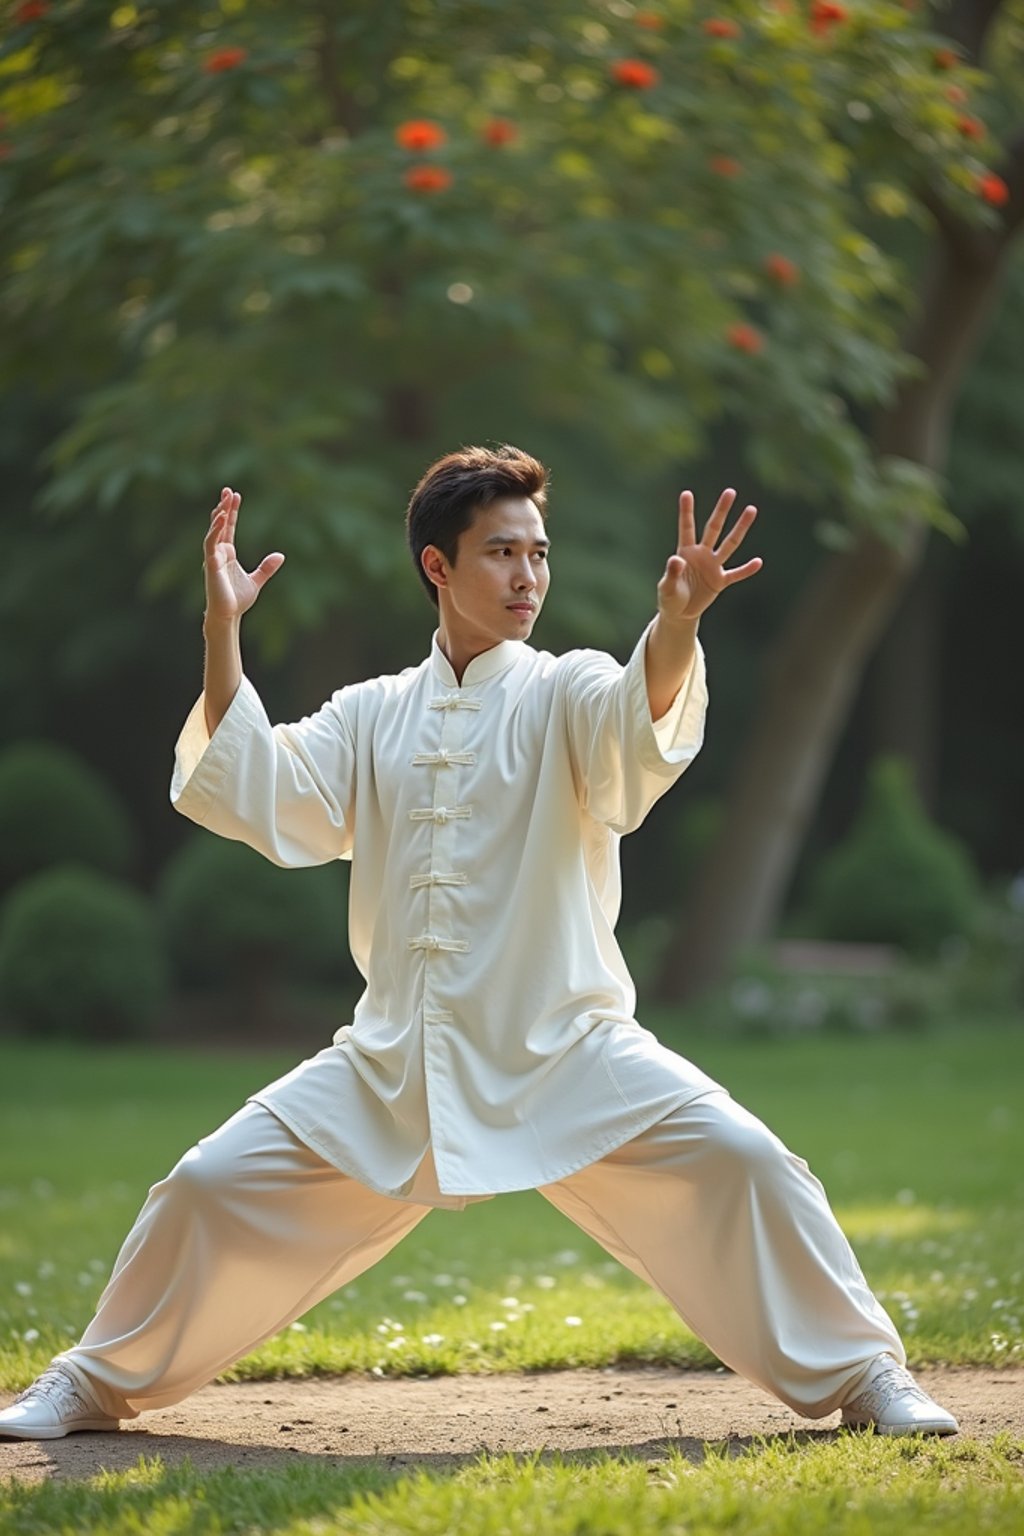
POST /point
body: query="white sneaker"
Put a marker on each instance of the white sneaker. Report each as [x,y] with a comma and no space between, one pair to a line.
[53,1406]
[895,1404]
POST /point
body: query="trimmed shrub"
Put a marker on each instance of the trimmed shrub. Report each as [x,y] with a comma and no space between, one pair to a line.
[80,956]
[232,918]
[55,809]
[897,878]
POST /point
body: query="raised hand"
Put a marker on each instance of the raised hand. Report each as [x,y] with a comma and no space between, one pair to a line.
[696,574]
[230,590]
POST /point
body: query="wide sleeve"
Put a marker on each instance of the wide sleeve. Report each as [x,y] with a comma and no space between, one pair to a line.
[622,760]
[286,790]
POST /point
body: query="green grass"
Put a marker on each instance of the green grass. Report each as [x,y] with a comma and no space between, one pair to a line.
[919,1141]
[857,1486]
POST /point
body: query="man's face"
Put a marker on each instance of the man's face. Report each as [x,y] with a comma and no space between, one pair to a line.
[495,589]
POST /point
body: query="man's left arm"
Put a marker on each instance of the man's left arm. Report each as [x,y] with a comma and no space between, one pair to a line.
[694,576]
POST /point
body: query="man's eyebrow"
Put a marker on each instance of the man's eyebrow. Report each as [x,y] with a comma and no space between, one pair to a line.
[510,538]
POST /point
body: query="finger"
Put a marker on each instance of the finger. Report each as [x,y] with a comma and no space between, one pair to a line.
[716,522]
[730,578]
[687,526]
[266,568]
[732,541]
[215,532]
[233,505]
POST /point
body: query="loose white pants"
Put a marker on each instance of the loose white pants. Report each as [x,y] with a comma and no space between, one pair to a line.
[252,1228]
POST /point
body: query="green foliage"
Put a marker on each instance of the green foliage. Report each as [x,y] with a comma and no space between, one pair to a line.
[230,914]
[54,809]
[228,273]
[80,956]
[896,878]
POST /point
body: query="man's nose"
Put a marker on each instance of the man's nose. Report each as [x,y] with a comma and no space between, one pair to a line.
[525,577]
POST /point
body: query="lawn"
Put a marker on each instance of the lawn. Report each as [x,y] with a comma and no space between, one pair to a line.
[919,1141]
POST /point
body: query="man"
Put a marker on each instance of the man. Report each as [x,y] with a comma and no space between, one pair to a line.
[480,797]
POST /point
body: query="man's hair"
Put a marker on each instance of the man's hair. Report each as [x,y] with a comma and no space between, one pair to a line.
[443,505]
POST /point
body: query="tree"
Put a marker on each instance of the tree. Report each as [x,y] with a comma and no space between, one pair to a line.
[303,251]
[819,657]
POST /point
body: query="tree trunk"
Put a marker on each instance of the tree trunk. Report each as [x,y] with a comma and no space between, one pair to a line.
[817,664]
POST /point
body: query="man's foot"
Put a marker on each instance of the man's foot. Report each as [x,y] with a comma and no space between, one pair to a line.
[53,1406]
[895,1404]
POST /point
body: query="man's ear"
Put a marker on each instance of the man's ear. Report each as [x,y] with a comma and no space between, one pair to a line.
[435,565]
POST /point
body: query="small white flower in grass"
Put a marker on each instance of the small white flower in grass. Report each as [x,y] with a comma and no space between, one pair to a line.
[414,1296]
[567,1256]
[905,1197]
[402,1280]
[574,1322]
[510,1301]
[513,1282]
[443,1280]
[394,1343]
[432,1338]
[98,1267]
[383,1328]
[30,1335]
[545,1282]
[497,1327]
[23,1288]
[376,1370]
[472,1344]
[526,1306]
[459,1300]
[298,1328]
[46,1269]
[351,1290]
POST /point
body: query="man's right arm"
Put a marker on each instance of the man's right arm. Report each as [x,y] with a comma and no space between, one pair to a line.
[230,593]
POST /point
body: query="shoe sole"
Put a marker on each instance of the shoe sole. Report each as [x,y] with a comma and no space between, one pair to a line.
[56,1431]
[935,1428]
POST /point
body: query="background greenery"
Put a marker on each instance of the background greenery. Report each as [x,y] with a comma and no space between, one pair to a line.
[751,260]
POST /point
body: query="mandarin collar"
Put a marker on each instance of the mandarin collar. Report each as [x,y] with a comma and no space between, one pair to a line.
[487,664]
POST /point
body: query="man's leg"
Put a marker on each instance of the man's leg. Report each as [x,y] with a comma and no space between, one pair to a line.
[247,1232]
[734,1230]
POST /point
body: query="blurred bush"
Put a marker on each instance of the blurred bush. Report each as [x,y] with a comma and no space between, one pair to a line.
[80,956]
[55,809]
[234,920]
[896,878]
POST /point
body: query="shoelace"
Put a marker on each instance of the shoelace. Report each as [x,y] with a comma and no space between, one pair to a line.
[58,1388]
[894,1381]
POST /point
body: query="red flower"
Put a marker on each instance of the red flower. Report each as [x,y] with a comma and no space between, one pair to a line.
[784,271]
[745,338]
[225,58]
[945,58]
[971,127]
[993,189]
[634,73]
[419,134]
[649,20]
[499,130]
[31,10]
[725,165]
[721,26]
[956,94]
[826,14]
[427,178]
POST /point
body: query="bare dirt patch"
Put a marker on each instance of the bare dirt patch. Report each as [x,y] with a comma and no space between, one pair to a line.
[445,1420]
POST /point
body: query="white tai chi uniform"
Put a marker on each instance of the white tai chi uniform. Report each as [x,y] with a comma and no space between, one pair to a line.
[494,1047]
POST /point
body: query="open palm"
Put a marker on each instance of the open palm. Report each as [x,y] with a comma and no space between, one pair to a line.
[696,573]
[230,589]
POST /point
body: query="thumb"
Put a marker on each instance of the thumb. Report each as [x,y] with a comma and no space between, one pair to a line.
[266,568]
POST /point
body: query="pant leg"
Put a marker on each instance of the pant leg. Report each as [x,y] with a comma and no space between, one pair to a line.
[247,1232]
[737,1234]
